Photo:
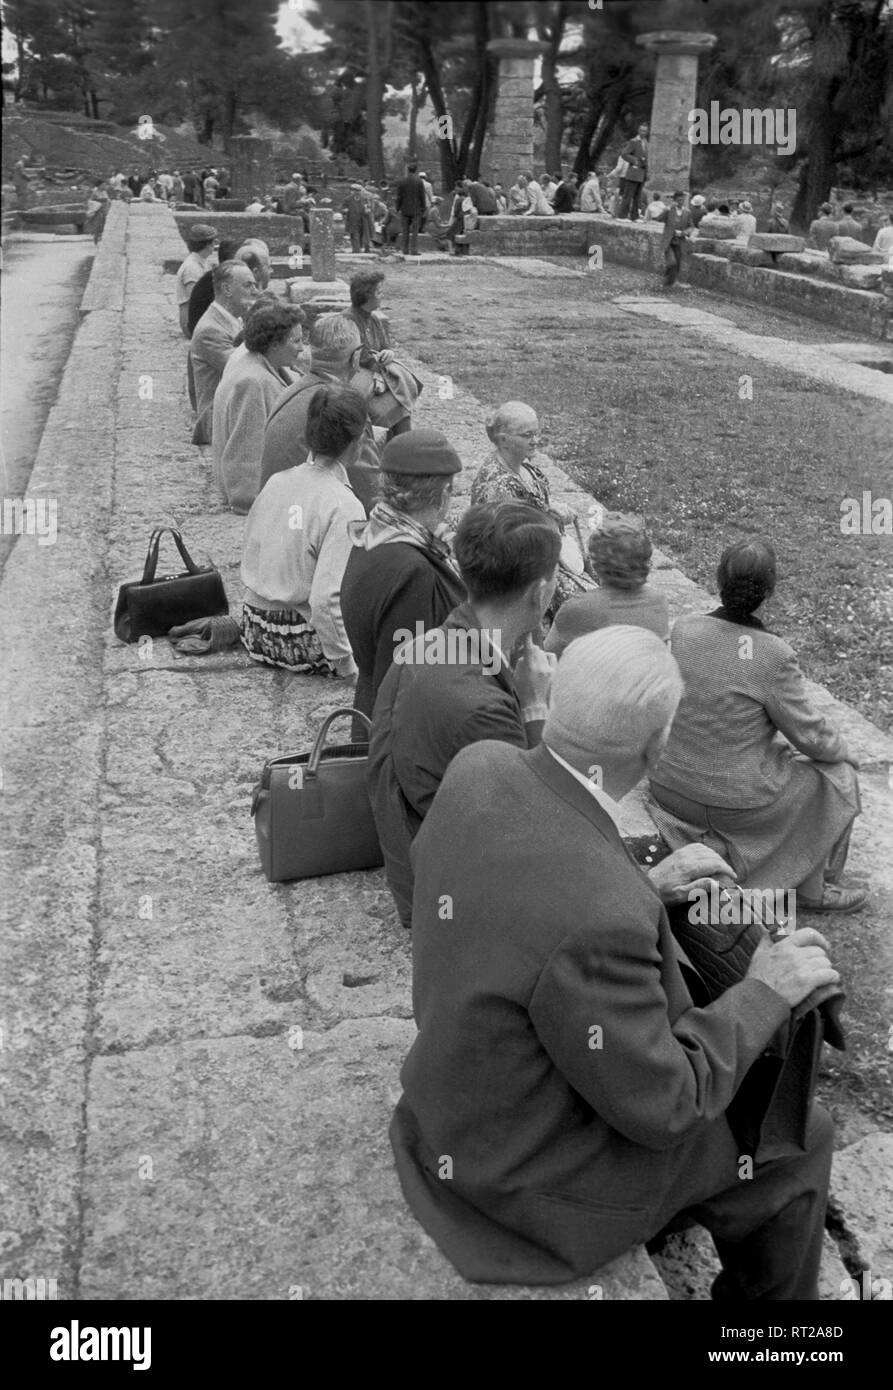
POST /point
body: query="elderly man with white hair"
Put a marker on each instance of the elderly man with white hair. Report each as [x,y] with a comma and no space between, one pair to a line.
[335,347]
[570,1063]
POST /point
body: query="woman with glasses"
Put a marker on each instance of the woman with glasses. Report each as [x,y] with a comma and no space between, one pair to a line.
[514,470]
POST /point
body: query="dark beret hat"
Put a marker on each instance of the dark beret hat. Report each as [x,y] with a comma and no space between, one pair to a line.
[420,452]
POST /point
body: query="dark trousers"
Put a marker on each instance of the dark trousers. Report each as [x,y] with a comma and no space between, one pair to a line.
[672,263]
[767,1228]
[411,227]
[630,197]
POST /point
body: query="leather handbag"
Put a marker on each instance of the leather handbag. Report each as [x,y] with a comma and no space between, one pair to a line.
[152,605]
[312,814]
[769,1113]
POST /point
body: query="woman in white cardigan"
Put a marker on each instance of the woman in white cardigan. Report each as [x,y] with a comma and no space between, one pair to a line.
[297,543]
[250,386]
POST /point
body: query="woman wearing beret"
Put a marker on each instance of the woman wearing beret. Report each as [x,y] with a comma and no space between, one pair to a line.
[400,572]
[779,809]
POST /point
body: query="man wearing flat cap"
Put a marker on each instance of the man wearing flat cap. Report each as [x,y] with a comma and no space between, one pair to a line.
[357,218]
[570,1062]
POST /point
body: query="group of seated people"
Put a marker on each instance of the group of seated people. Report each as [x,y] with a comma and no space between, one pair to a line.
[494,777]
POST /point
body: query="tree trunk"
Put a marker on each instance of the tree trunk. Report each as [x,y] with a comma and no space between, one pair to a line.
[230,108]
[449,169]
[477,107]
[554,110]
[819,171]
[485,116]
[374,95]
[416,103]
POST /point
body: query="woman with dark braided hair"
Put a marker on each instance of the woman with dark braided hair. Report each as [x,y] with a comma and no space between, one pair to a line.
[779,809]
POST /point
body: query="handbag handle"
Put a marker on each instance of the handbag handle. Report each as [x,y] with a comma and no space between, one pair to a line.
[316,752]
[152,554]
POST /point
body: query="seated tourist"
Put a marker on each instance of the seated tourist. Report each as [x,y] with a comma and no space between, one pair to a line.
[620,553]
[781,818]
[565,199]
[883,242]
[456,685]
[517,196]
[777,221]
[511,470]
[823,228]
[745,222]
[251,384]
[655,208]
[568,1061]
[334,354]
[848,225]
[297,543]
[235,290]
[393,388]
[399,572]
[591,194]
[538,204]
[697,209]
[202,243]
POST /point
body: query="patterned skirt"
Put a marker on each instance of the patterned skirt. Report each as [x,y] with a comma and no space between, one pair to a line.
[281,637]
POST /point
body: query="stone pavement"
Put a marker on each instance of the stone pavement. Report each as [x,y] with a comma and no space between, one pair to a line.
[199,1066]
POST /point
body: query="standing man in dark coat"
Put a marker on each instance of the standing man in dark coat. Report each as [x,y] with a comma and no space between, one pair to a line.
[412,204]
[635,152]
[677,223]
[567,1093]
[455,685]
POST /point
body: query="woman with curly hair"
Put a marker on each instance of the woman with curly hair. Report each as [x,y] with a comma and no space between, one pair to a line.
[620,555]
[250,386]
[751,768]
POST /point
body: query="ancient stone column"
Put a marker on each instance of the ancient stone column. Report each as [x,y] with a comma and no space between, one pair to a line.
[322,244]
[251,164]
[675,95]
[511,147]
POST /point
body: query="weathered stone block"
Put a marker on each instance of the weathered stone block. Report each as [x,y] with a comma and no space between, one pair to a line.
[719,231]
[846,250]
[746,255]
[802,262]
[776,242]
[860,1189]
[861,277]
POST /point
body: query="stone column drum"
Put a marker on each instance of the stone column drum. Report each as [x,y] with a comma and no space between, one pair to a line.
[675,95]
[251,163]
[511,147]
[322,244]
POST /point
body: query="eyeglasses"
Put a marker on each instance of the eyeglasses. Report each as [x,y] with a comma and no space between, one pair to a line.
[524,434]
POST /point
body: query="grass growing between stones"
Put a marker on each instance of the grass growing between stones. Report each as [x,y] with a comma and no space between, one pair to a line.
[650,418]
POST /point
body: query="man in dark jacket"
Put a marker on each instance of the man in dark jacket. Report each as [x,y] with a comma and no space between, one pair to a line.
[567,1093]
[566,194]
[399,572]
[635,152]
[677,223]
[412,204]
[454,685]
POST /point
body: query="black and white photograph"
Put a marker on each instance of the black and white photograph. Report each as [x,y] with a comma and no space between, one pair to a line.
[446,729]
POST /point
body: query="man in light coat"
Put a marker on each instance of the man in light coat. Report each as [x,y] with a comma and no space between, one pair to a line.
[235,290]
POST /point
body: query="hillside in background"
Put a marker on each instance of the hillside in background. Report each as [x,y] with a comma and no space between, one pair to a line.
[68,141]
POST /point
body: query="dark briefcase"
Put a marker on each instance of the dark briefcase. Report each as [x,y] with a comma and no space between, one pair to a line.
[311,811]
[151,606]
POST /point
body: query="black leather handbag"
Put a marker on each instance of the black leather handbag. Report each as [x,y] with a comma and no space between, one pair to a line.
[769,1114]
[311,811]
[151,606]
